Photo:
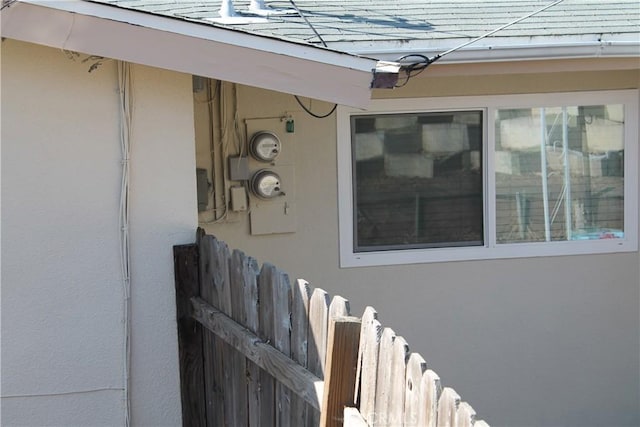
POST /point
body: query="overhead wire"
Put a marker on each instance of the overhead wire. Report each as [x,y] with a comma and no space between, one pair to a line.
[311,113]
[415,68]
[304,107]
[7,3]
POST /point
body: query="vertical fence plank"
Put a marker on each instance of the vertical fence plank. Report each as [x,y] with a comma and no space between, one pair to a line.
[317,342]
[342,360]
[239,273]
[370,334]
[220,262]
[448,408]
[281,301]
[251,310]
[212,354]
[398,372]
[383,380]
[300,295]
[318,319]
[339,307]
[430,390]
[265,332]
[416,367]
[466,415]
[185,261]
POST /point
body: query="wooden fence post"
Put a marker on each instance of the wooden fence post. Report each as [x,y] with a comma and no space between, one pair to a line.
[185,261]
[317,341]
[340,373]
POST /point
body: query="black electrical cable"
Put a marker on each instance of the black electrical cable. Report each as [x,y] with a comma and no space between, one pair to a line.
[7,3]
[414,68]
[311,113]
[308,111]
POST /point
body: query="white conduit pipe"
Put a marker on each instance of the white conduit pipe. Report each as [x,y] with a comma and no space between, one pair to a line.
[125,104]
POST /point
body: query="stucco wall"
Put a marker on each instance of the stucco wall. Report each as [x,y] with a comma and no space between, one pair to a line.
[62,300]
[540,342]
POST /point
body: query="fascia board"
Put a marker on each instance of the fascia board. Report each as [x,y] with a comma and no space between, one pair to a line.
[505,49]
[192,48]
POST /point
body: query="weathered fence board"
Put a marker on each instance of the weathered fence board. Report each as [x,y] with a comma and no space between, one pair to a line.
[383,382]
[466,416]
[256,350]
[398,371]
[430,390]
[281,300]
[266,333]
[276,364]
[448,408]
[194,411]
[213,348]
[416,367]
[299,331]
[317,341]
[370,335]
[237,367]
[318,319]
[249,269]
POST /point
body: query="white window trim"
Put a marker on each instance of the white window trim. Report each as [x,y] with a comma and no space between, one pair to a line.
[490,250]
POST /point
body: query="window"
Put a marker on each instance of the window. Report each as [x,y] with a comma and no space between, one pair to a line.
[443,179]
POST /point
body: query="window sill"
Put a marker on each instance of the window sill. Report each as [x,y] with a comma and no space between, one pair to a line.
[503,251]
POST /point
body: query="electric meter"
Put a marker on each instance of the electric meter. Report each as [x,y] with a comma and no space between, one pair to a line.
[266,184]
[265,146]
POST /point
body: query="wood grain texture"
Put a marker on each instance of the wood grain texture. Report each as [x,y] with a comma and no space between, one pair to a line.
[430,390]
[246,335]
[250,272]
[398,372]
[448,408]
[266,333]
[370,334]
[227,369]
[317,341]
[212,348]
[416,367]
[276,364]
[342,360]
[466,415]
[300,297]
[194,410]
[383,378]
[281,301]
[237,367]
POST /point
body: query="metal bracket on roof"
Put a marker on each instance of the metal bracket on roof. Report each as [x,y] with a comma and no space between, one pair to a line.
[385,75]
[228,15]
[259,8]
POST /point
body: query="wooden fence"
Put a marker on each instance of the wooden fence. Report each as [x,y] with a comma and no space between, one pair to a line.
[259,350]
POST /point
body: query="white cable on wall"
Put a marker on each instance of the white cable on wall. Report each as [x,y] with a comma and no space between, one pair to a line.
[126,102]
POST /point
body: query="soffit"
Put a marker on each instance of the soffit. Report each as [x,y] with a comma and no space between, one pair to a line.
[184,46]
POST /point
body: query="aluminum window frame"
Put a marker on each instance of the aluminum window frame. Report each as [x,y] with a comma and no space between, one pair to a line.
[491,249]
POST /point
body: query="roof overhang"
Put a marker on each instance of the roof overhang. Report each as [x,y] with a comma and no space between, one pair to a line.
[504,49]
[192,48]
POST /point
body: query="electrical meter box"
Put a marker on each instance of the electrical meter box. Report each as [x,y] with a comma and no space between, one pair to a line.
[272,195]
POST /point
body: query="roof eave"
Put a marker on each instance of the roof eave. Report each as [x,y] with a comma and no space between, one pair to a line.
[192,48]
[521,49]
